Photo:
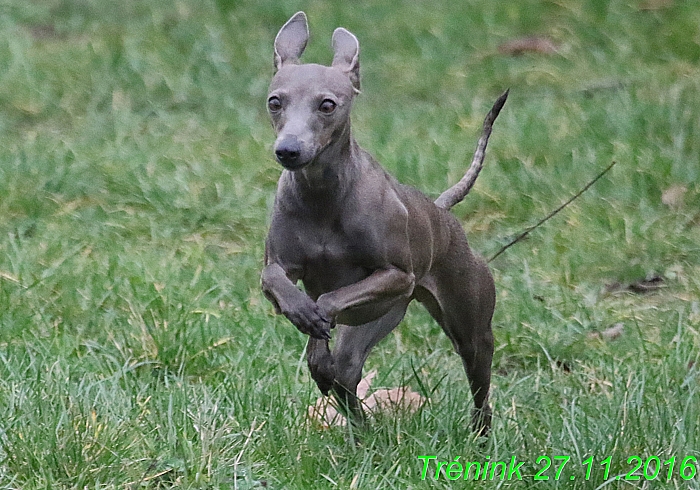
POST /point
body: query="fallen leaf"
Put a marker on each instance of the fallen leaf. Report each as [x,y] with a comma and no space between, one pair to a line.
[43,31]
[533,44]
[365,383]
[646,285]
[673,196]
[651,283]
[609,333]
[402,398]
[325,414]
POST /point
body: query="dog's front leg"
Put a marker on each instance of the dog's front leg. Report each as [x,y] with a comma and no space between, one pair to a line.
[293,303]
[321,364]
[368,299]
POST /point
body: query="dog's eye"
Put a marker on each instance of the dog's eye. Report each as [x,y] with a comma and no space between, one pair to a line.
[327,106]
[274,104]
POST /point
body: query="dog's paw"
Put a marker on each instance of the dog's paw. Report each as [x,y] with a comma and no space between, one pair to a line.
[310,320]
[321,366]
[481,421]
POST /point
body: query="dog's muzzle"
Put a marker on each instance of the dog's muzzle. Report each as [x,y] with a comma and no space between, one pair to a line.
[289,153]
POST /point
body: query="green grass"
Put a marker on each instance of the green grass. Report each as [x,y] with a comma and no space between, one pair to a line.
[136,180]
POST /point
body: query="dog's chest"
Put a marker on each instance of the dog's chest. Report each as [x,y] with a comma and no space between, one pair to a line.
[327,253]
[334,243]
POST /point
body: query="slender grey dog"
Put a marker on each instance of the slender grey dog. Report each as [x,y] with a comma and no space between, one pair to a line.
[362,244]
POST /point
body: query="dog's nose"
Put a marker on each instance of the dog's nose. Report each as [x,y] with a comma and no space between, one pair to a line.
[288,152]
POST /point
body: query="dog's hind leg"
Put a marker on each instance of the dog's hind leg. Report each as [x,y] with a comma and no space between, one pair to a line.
[461,298]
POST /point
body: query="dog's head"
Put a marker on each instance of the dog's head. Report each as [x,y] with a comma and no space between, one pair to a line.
[310,104]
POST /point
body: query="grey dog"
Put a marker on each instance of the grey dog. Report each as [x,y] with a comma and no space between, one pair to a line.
[363,245]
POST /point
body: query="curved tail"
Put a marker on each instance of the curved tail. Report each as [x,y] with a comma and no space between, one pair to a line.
[457,192]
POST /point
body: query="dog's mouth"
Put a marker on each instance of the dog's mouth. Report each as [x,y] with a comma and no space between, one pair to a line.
[291,163]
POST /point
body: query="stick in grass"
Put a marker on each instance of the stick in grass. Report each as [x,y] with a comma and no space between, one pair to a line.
[553,213]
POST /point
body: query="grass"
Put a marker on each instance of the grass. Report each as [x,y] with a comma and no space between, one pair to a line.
[136,350]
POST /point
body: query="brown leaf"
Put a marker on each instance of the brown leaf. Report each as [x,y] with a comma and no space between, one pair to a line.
[325,414]
[613,332]
[673,196]
[402,398]
[533,44]
[43,31]
[365,383]
[649,284]
[610,333]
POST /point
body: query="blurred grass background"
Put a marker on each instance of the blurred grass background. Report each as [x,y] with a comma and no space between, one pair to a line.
[136,179]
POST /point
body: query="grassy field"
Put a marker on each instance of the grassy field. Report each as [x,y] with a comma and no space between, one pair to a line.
[136,180]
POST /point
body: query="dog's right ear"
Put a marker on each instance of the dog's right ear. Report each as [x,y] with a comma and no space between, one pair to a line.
[291,40]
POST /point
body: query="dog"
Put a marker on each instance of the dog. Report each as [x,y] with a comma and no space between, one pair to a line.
[363,245]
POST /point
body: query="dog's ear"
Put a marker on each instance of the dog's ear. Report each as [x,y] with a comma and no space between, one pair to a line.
[291,40]
[346,57]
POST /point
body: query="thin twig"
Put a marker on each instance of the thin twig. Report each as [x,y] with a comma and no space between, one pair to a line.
[553,213]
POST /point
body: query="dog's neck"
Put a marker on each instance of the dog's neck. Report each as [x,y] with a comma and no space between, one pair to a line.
[328,177]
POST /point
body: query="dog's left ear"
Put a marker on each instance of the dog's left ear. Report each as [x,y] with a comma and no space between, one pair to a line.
[346,57]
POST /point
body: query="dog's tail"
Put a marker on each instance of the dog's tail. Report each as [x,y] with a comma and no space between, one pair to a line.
[457,192]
